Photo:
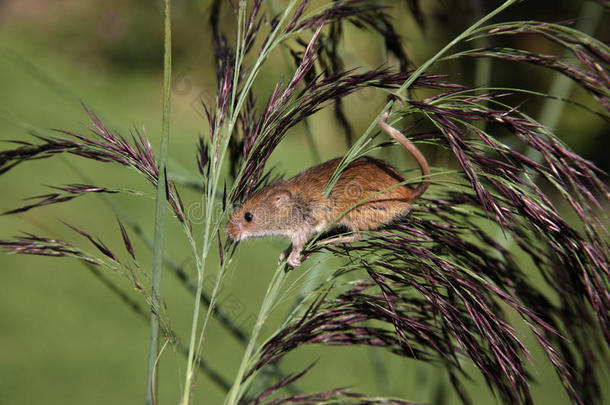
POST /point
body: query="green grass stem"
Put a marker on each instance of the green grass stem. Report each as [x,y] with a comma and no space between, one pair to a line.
[239,387]
[157,264]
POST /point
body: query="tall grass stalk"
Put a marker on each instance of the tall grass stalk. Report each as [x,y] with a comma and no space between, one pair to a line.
[217,152]
[160,208]
[239,385]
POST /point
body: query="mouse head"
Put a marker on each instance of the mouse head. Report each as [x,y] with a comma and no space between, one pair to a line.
[268,212]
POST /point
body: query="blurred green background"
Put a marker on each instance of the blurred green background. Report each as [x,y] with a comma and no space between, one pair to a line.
[64,337]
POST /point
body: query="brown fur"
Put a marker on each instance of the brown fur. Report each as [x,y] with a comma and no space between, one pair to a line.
[297,209]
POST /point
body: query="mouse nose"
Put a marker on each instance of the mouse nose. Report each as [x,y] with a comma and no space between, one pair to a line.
[234,230]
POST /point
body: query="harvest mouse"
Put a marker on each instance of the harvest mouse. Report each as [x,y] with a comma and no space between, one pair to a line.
[297,209]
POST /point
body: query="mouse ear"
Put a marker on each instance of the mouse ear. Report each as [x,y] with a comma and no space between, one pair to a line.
[281,198]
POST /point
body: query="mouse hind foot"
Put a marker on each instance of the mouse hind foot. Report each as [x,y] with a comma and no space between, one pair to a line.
[293,252]
[340,239]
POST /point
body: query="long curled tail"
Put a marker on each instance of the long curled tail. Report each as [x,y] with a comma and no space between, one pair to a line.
[412,149]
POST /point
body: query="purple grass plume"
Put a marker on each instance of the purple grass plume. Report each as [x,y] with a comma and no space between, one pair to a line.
[437,283]
[103,145]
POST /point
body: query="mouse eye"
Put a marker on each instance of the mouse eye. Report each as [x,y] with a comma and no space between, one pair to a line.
[248,216]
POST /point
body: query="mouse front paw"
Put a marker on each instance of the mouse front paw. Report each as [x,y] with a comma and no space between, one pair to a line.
[293,255]
[294,261]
